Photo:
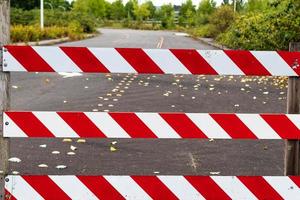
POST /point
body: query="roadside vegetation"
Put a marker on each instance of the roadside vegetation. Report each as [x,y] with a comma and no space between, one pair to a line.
[60,21]
[256,24]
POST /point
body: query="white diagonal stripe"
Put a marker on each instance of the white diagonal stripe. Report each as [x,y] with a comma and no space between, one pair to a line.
[234,188]
[20,189]
[56,125]
[112,60]
[12,129]
[158,125]
[107,125]
[181,187]
[221,63]
[295,118]
[127,187]
[167,61]
[273,62]
[57,59]
[258,126]
[284,186]
[73,187]
[12,63]
[208,126]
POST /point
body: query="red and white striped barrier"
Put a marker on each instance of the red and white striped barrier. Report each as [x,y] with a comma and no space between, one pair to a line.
[151,61]
[152,187]
[151,125]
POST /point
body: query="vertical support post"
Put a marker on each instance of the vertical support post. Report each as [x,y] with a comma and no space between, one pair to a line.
[42,14]
[4,92]
[292,147]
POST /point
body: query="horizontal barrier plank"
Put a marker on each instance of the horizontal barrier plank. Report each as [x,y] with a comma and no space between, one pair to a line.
[152,187]
[151,125]
[150,61]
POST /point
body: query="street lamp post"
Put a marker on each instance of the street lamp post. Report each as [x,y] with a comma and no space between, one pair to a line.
[42,14]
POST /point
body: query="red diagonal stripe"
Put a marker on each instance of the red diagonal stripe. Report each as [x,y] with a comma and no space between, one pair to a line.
[233,126]
[100,187]
[46,187]
[29,59]
[247,63]
[81,124]
[193,61]
[84,59]
[183,125]
[296,180]
[291,58]
[9,196]
[133,125]
[260,187]
[154,187]
[30,124]
[140,61]
[282,126]
[207,187]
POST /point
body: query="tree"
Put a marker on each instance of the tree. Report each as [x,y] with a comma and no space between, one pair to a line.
[108,12]
[25,4]
[129,7]
[31,4]
[205,9]
[151,8]
[59,4]
[141,12]
[187,13]
[117,10]
[95,8]
[166,14]
[222,18]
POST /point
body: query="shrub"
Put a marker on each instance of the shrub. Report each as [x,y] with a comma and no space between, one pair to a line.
[20,33]
[54,17]
[221,19]
[207,30]
[271,30]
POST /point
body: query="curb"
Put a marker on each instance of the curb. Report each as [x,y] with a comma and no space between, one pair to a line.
[211,42]
[44,42]
[52,41]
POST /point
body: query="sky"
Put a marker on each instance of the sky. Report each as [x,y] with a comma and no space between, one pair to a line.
[175,2]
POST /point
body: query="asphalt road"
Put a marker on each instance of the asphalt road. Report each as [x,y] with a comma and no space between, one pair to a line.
[153,93]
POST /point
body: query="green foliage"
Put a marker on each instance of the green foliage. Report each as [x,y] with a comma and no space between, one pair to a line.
[117,10]
[24,17]
[187,14]
[25,4]
[151,8]
[271,30]
[205,9]
[222,18]
[206,31]
[32,4]
[96,8]
[166,15]
[129,7]
[257,5]
[20,33]
[142,11]
[57,4]
[32,17]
